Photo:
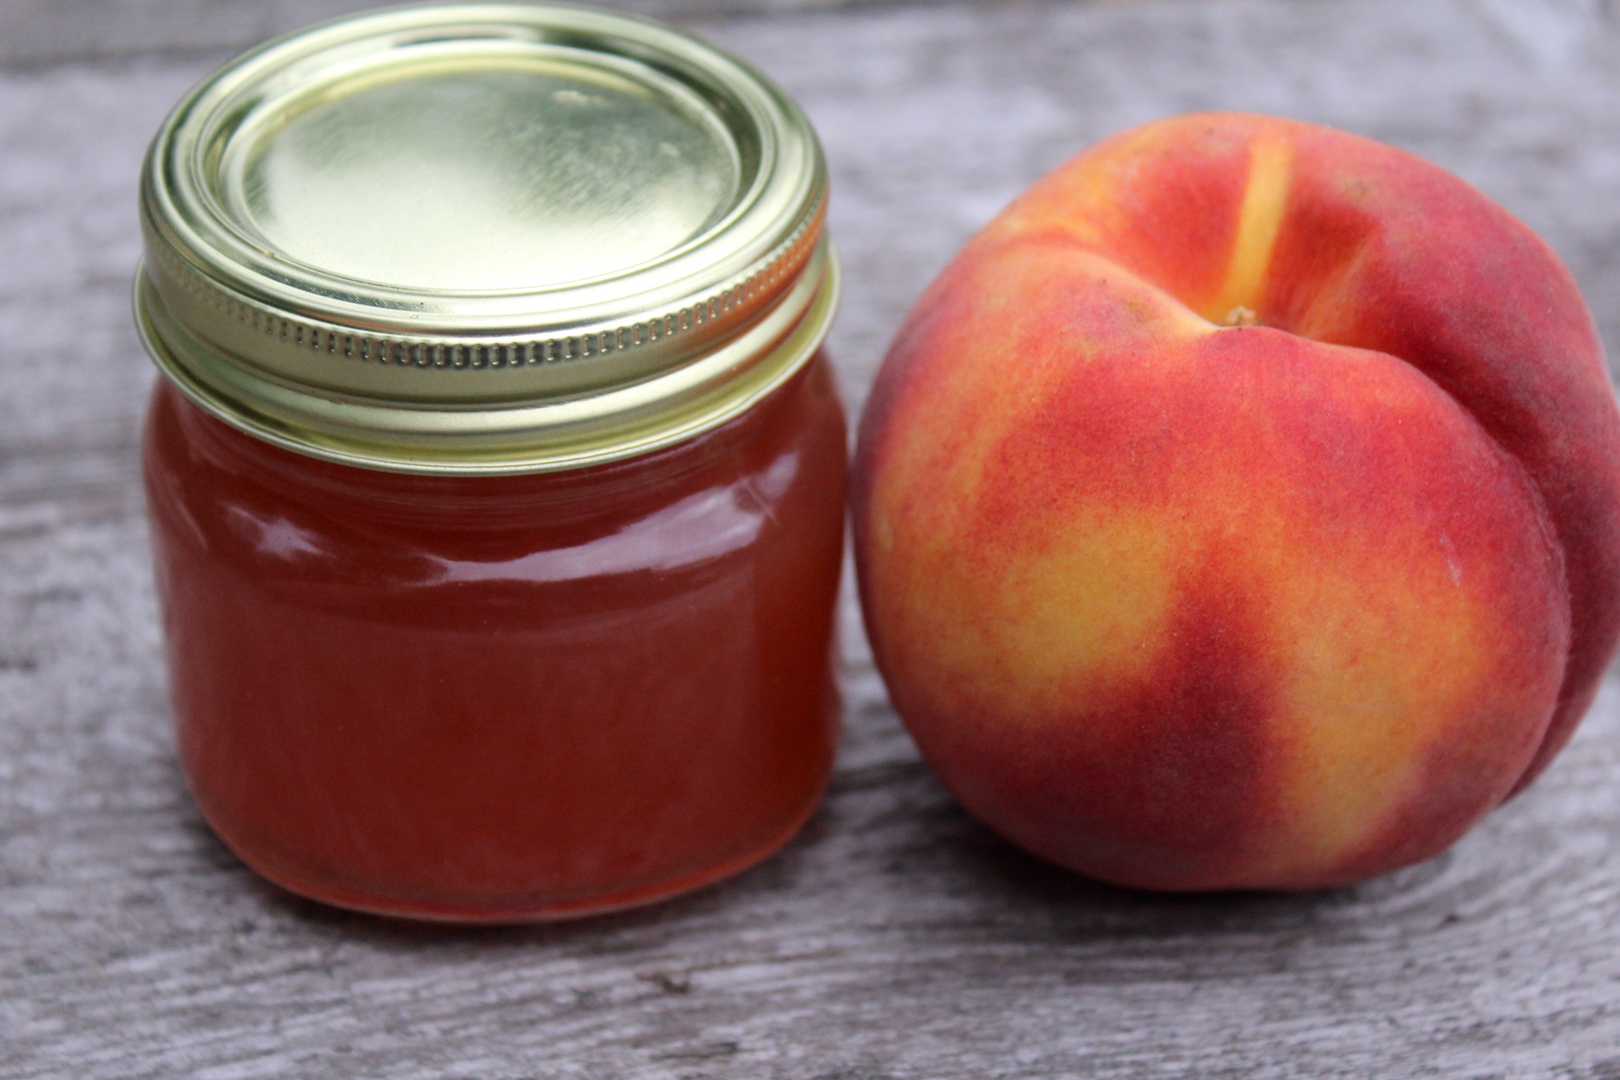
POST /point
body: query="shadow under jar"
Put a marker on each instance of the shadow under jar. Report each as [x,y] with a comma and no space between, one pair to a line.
[496,479]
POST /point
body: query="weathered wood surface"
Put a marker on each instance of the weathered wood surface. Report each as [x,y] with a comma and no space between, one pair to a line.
[895,938]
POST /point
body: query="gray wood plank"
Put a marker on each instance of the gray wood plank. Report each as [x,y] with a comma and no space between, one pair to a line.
[895,938]
[37,33]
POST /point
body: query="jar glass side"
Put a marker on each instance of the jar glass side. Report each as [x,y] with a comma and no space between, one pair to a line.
[504,698]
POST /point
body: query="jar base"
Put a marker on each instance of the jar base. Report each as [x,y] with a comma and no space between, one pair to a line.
[533,912]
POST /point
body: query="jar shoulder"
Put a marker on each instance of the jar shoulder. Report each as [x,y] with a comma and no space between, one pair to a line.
[778,471]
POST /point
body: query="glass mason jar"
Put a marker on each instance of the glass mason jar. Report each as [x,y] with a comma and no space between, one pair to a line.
[496,476]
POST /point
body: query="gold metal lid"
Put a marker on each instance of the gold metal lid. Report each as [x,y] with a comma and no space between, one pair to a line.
[483,238]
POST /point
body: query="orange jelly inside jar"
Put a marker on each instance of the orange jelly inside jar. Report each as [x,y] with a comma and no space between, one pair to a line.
[496,477]
[503,697]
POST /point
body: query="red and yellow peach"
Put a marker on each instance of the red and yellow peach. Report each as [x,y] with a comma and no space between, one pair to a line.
[1241,509]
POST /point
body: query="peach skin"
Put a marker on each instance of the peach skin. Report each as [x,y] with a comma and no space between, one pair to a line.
[1241,509]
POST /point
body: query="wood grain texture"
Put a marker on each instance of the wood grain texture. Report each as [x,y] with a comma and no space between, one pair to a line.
[42,33]
[894,938]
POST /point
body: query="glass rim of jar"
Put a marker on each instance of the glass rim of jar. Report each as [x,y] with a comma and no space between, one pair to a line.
[484,238]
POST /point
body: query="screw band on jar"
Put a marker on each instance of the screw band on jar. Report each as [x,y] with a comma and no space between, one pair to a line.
[490,330]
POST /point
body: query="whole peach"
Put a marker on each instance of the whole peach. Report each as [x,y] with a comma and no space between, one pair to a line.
[1241,509]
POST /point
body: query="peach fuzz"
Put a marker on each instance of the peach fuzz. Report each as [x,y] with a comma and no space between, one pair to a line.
[1241,509]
